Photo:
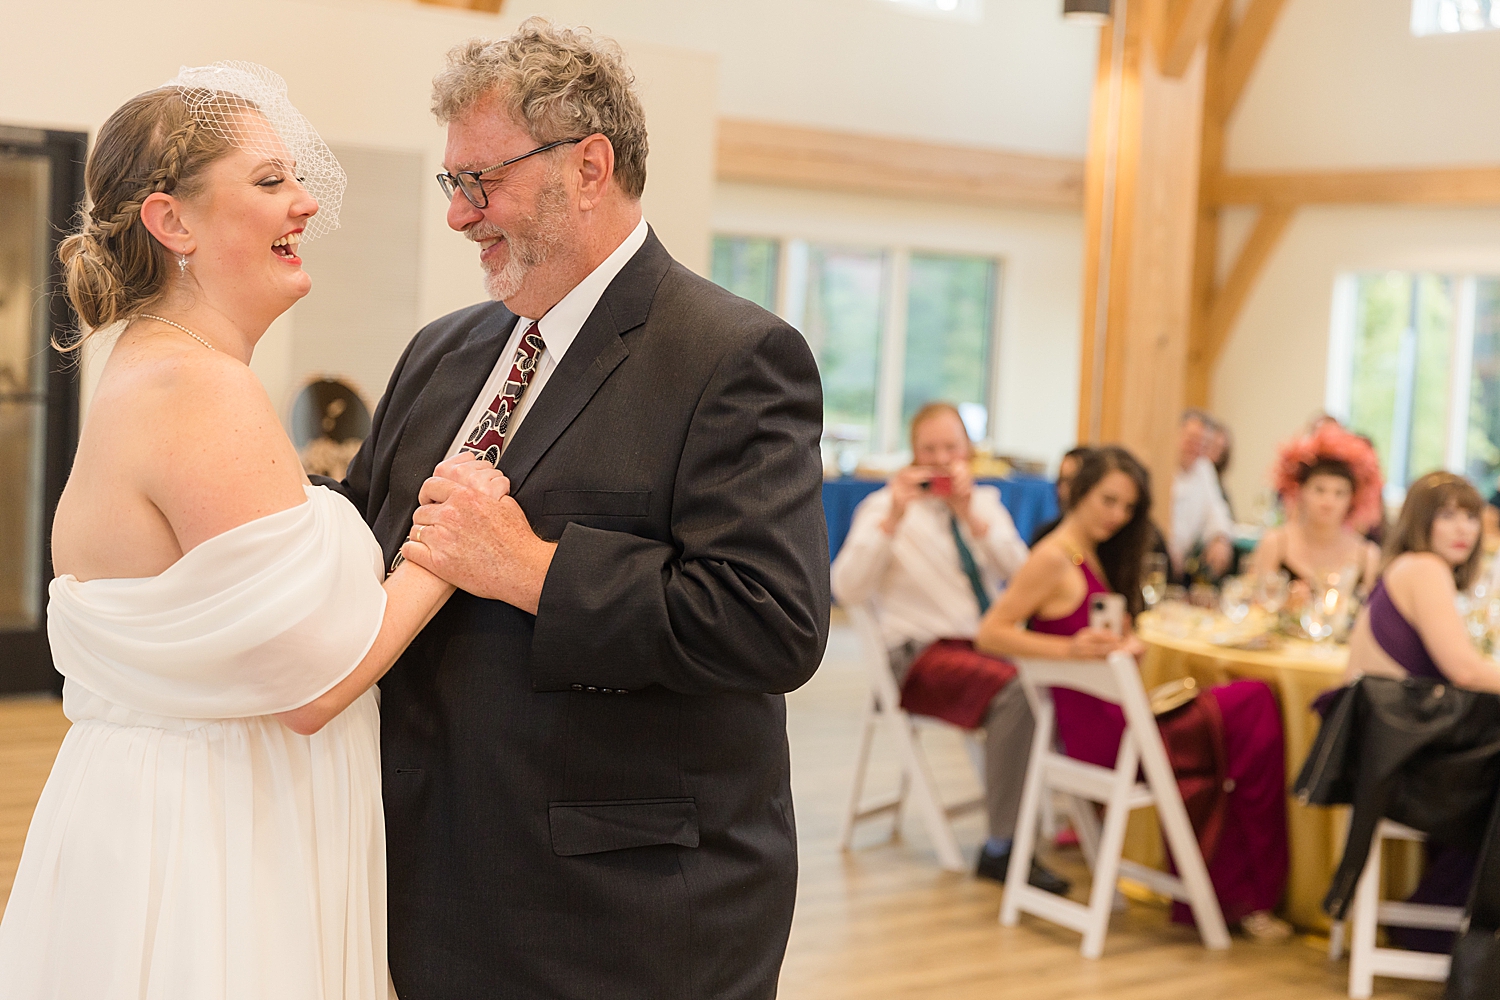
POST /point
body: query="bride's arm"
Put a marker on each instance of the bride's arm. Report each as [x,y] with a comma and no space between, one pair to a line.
[413,596]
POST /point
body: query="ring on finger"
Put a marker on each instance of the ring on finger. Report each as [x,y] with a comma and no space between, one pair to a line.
[417,534]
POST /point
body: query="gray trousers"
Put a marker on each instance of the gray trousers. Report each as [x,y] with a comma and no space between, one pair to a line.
[1008,729]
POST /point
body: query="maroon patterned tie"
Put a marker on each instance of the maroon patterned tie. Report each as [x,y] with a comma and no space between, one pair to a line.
[488,436]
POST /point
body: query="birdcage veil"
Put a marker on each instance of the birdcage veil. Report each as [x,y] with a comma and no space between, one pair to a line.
[224,98]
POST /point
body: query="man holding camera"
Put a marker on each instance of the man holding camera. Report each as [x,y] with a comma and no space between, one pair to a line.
[929,552]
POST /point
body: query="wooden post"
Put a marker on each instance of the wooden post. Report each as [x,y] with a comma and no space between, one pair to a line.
[1141,216]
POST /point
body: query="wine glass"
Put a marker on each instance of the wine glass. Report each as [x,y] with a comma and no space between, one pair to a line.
[1271,591]
[1154,578]
[1234,599]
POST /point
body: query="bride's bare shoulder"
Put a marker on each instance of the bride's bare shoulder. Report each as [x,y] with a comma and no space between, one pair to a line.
[201,434]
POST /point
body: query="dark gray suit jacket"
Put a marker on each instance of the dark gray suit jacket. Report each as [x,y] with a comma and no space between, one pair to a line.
[594,802]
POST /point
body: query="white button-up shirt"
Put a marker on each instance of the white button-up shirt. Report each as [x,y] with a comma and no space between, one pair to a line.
[559,328]
[914,577]
[1199,512]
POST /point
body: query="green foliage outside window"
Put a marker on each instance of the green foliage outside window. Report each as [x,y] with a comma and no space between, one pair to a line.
[747,267]
[949,304]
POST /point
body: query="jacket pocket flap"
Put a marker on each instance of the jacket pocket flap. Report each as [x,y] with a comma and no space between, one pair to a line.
[604,503]
[596,827]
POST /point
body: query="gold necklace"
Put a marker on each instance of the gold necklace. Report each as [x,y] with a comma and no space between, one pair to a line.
[190,333]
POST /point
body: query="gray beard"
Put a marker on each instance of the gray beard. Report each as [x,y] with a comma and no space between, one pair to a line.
[529,245]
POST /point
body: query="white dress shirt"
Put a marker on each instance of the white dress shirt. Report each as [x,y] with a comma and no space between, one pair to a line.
[914,577]
[559,328]
[1199,511]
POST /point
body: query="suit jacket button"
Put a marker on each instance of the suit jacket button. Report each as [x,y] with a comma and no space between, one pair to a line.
[577,687]
[593,690]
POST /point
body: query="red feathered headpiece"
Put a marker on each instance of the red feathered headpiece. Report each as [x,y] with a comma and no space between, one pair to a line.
[1330,442]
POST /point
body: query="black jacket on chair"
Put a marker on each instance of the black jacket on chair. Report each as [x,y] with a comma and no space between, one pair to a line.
[1423,753]
[594,802]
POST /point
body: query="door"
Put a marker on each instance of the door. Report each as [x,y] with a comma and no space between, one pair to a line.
[41,187]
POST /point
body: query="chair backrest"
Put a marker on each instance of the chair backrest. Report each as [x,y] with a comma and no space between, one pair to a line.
[1116,679]
[874,655]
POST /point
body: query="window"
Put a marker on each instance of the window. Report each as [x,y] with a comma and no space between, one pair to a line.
[891,329]
[1415,365]
[948,307]
[1442,17]
[747,267]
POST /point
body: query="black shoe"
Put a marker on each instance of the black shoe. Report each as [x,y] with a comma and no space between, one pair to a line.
[994,866]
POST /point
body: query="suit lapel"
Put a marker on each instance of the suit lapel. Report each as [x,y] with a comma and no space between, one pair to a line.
[595,353]
[442,406]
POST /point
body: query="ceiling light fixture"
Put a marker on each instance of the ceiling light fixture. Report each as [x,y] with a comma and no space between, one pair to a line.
[1087,11]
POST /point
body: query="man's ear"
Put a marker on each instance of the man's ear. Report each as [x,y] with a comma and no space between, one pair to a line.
[161,214]
[595,171]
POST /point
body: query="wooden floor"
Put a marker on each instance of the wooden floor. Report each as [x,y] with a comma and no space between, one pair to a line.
[883,922]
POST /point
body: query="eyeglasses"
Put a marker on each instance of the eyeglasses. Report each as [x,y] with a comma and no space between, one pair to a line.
[469,182]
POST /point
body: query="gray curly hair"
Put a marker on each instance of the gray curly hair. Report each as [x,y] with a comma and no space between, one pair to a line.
[560,83]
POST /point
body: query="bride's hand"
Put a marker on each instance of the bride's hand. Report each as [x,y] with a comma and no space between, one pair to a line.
[474,473]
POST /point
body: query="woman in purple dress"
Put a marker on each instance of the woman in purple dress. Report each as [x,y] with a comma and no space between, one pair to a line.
[1098,548]
[1410,627]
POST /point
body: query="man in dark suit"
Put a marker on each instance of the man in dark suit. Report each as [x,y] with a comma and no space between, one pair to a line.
[584,754]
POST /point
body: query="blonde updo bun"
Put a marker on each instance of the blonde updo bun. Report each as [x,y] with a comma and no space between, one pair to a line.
[113,267]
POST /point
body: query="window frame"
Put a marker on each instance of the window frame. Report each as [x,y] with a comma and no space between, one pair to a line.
[888,435]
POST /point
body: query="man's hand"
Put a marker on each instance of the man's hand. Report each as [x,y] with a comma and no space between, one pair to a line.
[906,486]
[959,498]
[481,544]
[1218,554]
[461,470]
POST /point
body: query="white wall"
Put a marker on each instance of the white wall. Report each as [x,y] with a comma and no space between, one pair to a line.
[1019,79]
[1343,84]
[361,70]
[1041,256]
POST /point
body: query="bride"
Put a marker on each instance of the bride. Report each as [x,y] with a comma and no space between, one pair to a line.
[212,826]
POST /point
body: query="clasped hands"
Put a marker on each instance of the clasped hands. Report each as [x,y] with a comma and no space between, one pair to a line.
[471,532]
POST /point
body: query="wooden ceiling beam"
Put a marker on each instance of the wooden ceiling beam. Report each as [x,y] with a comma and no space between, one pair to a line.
[853,163]
[1224,307]
[1245,46]
[1439,186]
[1185,26]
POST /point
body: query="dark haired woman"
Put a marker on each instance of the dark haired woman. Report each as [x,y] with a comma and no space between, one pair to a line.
[1329,482]
[1097,549]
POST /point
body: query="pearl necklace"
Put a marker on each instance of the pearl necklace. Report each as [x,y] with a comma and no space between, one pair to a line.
[190,333]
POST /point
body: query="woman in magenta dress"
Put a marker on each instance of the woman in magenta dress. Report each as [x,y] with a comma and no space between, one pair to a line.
[1098,548]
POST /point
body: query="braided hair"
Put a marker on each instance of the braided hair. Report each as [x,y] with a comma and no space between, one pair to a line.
[112,266]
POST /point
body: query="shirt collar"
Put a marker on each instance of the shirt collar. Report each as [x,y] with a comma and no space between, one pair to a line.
[564,320]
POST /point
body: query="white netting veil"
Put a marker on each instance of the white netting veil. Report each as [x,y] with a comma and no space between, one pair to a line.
[225,97]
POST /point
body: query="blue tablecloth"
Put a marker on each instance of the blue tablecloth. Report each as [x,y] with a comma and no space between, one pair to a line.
[1032,502]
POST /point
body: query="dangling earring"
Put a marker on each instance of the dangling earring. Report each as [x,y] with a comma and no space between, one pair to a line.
[182,263]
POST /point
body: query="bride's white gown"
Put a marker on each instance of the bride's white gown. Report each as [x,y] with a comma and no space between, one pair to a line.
[187,844]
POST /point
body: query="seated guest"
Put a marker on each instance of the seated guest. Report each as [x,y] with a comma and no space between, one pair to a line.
[1044,613]
[1202,530]
[1410,627]
[1219,449]
[1066,468]
[1329,482]
[930,550]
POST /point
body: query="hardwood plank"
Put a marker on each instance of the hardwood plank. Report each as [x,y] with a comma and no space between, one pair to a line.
[793,156]
[1432,186]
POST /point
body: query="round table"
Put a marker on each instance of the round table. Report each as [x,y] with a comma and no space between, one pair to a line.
[1297,672]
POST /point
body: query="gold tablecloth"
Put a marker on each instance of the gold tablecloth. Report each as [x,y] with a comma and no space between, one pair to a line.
[1298,672]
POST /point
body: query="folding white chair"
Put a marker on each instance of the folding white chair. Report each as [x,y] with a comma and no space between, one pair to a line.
[1116,680]
[884,710]
[1367,912]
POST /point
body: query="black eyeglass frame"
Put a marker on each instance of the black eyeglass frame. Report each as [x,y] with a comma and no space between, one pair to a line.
[455,182]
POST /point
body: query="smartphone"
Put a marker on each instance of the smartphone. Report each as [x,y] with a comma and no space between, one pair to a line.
[940,486]
[1107,611]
